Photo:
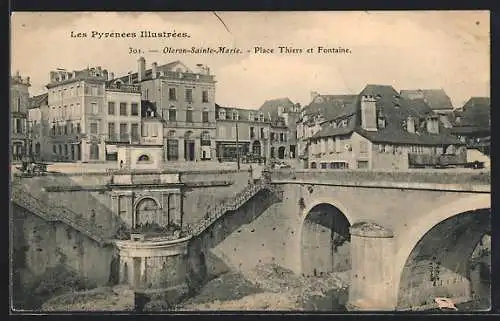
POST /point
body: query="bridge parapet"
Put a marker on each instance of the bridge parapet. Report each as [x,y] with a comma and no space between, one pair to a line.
[460,180]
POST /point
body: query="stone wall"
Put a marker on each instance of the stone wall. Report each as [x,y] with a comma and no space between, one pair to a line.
[40,245]
[197,201]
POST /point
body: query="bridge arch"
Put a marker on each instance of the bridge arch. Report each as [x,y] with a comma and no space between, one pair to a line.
[433,255]
[325,238]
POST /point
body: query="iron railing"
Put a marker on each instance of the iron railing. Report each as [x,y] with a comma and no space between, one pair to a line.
[223,207]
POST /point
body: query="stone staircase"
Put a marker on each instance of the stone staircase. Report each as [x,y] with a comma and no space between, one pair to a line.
[220,209]
[52,213]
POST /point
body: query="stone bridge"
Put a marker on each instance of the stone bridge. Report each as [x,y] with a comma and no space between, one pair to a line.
[406,237]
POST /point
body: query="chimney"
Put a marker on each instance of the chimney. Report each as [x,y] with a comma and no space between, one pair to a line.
[105,74]
[154,70]
[111,75]
[314,94]
[368,113]
[130,77]
[141,69]
[200,68]
[410,124]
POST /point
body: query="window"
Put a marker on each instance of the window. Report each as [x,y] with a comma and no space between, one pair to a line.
[252,133]
[134,129]
[123,132]
[66,129]
[204,116]
[189,95]
[94,91]
[19,126]
[189,115]
[172,114]
[282,137]
[205,139]
[93,128]
[111,108]
[261,116]
[222,114]
[262,133]
[78,129]
[172,94]
[363,148]
[144,130]
[205,96]
[111,131]
[143,158]
[95,109]
[250,116]
[134,109]
[154,130]
[362,164]
[172,149]
[123,109]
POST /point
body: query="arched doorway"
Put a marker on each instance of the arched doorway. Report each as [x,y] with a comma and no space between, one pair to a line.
[189,150]
[147,210]
[281,152]
[256,148]
[325,241]
[94,151]
[441,263]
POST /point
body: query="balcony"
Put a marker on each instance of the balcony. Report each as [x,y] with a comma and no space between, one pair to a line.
[127,88]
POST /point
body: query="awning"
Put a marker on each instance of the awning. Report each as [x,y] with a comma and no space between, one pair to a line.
[111,149]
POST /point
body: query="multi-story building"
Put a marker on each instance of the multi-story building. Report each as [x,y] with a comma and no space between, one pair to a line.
[145,151]
[437,99]
[122,117]
[253,133]
[19,102]
[283,115]
[185,100]
[382,130]
[320,109]
[89,113]
[472,124]
[39,128]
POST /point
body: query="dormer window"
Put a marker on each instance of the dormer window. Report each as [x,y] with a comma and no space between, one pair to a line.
[261,116]
[381,121]
[250,116]
[222,114]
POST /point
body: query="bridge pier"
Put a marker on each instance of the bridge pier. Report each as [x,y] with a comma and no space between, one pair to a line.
[372,278]
[155,269]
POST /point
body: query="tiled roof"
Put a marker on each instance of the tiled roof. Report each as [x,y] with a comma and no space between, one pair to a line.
[148,73]
[243,113]
[474,115]
[270,107]
[331,106]
[437,99]
[37,101]
[395,110]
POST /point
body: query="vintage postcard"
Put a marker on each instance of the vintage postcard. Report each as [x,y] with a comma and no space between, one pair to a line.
[250,161]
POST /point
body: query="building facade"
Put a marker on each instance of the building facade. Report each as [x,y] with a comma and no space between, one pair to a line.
[77,114]
[40,147]
[382,131]
[122,121]
[185,101]
[283,115]
[19,102]
[249,128]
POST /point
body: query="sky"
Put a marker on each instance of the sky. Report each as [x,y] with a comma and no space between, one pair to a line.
[408,50]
